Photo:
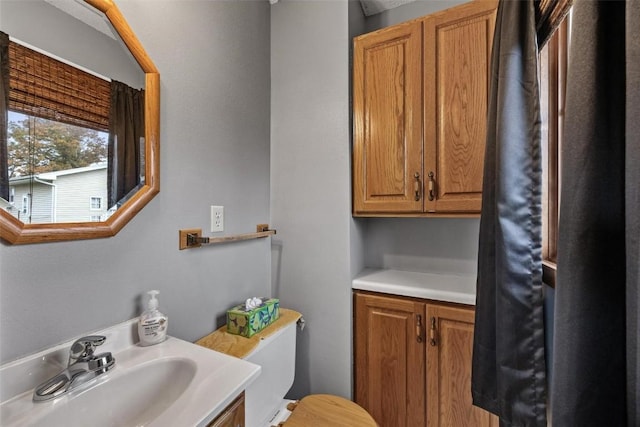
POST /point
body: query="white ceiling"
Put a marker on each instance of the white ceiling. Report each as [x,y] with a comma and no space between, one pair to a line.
[371,7]
[90,16]
[85,13]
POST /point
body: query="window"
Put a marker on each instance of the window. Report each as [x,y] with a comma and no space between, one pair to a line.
[95,218]
[553,80]
[26,201]
[57,136]
[96,203]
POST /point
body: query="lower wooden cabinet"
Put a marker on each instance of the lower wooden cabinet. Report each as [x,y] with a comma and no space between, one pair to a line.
[390,360]
[449,351]
[413,362]
[232,416]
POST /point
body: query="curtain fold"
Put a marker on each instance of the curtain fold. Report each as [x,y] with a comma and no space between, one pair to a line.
[632,207]
[4,118]
[509,374]
[126,134]
[595,381]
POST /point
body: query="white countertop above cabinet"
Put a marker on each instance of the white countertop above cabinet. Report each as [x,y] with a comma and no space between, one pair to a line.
[440,287]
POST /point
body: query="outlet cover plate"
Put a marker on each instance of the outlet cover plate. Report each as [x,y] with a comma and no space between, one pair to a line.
[217,219]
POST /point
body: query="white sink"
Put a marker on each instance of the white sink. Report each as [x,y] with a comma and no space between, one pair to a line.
[134,399]
[168,384]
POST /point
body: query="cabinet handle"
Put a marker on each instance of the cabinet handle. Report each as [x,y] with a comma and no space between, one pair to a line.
[416,186]
[431,186]
[432,332]
[418,328]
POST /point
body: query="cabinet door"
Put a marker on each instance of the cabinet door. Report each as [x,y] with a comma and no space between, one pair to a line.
[457,57]
[390,360]
[449,351]
[232,416]
[387,115]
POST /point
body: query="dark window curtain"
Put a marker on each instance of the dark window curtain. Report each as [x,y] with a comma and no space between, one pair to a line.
[509,372]
[4,117]
[126,130]
[595,380]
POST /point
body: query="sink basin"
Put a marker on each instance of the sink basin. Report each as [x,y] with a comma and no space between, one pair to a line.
[132,400]
[168,384]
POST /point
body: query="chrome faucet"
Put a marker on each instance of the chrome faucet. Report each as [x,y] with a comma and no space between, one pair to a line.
[82,367]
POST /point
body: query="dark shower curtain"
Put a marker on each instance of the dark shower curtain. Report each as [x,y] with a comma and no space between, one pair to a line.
[595,380]
[508,376]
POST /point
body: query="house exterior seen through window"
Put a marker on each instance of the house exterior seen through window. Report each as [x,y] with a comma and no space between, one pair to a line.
[59,169]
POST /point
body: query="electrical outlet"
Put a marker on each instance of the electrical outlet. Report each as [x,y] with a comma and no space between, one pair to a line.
[217,218]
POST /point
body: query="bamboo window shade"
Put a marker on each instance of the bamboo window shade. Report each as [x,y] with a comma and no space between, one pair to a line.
[549,15]
[47,88]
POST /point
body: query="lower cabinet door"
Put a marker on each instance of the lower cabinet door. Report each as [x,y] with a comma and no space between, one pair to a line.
[232,416]
[390,359]
[449,351]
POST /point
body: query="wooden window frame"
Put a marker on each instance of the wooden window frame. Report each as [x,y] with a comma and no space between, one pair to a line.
[553,73]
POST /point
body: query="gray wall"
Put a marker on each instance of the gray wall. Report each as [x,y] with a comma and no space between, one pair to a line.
[214,66]
[358,227]
[407,12]
[310,195]
[430,245]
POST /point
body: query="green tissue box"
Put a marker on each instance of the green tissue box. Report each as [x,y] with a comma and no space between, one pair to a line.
[247,323]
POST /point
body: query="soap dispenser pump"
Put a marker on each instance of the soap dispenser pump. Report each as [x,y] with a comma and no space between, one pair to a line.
[152,326]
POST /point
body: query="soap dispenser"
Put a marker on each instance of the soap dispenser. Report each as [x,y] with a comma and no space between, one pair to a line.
[152,326]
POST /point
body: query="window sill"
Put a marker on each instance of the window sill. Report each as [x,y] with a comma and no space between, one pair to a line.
[549,273]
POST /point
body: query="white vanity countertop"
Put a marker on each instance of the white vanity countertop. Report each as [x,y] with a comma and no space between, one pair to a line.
[440,287]
[217,380]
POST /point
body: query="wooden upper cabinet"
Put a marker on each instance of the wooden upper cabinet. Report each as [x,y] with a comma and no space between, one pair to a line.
[419,107]
[387,103]
[390,360]
[457,64]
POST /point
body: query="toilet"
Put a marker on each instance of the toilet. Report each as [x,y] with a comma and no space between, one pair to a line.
[274,349]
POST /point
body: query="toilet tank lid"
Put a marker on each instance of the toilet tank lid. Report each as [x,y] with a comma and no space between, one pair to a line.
[239,346]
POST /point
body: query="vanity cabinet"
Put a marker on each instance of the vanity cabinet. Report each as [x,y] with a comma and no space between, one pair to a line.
[419,107]
[232,416]
[413,362]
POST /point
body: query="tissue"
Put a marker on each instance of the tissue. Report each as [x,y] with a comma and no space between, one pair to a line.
[252,303]
[253,316]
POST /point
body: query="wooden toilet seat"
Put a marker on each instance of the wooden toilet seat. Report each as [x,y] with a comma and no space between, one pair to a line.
[325,410]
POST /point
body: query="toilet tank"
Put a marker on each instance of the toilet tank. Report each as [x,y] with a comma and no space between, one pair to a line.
[276,354]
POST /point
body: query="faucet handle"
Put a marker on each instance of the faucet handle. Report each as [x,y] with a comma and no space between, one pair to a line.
[84,347]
